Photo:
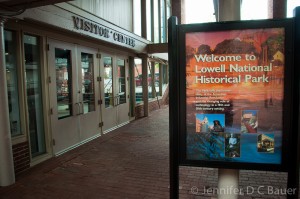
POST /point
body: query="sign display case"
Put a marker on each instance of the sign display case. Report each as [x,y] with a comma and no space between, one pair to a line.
[234,79]
[234,96]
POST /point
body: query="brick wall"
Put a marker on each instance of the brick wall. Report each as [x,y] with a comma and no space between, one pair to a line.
[139,111]
[153,105]
[21,157]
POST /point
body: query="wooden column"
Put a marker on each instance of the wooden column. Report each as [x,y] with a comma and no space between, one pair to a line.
[178,10]
[277,9]
[228,10]
[144,19]
[144,59]
[160,79]
[153,91]
[145,85]
[132,87]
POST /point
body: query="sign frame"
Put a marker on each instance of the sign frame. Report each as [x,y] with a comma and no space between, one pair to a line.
[287,108]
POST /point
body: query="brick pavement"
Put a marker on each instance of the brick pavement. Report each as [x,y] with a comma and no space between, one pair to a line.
[131,162]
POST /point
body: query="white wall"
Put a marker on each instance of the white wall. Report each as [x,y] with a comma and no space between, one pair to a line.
[118,12]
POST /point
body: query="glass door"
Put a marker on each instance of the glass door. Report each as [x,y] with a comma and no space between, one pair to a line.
[115,91]
[88,93]
[75,112]
[122,91]
[63,102]
[109,111]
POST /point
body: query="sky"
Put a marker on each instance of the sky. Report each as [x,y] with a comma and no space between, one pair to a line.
[211,118]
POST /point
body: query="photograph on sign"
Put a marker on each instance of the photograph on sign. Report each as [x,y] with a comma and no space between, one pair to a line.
[234,95]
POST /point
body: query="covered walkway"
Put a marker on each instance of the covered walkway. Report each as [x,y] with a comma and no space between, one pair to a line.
[131,162]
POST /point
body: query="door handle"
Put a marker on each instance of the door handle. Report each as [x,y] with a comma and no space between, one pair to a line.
[78,108]
[117,100]
[82,108]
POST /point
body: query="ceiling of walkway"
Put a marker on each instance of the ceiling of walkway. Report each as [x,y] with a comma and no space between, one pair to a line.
[10,7]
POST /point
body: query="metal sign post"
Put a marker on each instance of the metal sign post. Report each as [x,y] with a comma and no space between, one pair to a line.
[234,98]
[174,104]
[293,170]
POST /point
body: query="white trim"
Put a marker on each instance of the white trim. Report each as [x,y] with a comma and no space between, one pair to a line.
[115,127]
[89,139]
[77,145]
[40,158]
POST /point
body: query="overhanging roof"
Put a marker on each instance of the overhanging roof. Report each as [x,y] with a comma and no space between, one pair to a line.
[158,51]
[12,7]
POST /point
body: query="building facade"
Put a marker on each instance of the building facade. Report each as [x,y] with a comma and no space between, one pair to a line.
[71,74]
[73,71]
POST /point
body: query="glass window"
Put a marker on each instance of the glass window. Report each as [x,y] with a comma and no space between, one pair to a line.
[168,3]
[12,82]
[156,21]
[108,82]
[291,5]
[34,94]
[168,12]
[153,79]
[138,81]
[156,77]
[87,70]
[148,15]
[121,98]
[63,82]
[163,22]
[261,11]
[149,80]
[137,29]
[199,11]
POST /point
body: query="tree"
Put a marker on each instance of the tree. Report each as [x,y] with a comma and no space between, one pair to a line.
[204,49]
[189,51]
[274,44]
[234,46]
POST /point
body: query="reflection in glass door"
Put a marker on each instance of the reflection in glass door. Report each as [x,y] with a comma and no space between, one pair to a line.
[87,80]
[89,116]
[34,95]
[123,103]
[108,82]
[64,105]
[63,82]
[121,81]
[108,107]
[12,82]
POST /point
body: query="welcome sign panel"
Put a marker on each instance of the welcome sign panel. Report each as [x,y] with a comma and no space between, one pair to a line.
[234,95]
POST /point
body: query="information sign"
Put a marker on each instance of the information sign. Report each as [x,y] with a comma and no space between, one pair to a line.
[233,94]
